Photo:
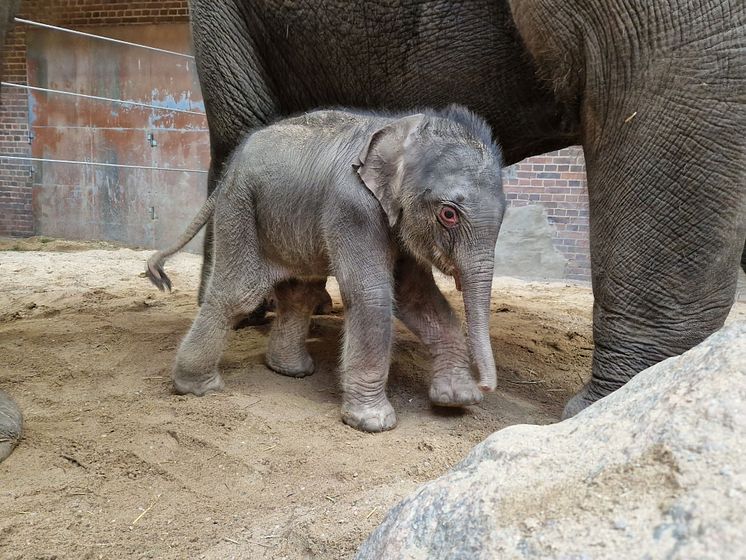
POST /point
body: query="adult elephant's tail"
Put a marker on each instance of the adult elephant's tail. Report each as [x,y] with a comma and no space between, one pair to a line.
[11,425]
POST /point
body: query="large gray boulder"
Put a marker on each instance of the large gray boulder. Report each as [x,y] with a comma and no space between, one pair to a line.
[11,425]
[655,470]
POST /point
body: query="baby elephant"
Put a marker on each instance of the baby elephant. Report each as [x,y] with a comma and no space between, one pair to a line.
[374,200]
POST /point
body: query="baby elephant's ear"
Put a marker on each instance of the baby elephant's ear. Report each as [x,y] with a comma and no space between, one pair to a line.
[382,163]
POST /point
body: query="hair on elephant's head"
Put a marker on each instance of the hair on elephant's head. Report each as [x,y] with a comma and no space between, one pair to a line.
[437,176]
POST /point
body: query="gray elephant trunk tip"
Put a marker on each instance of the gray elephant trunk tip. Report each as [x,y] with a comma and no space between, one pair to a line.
[487,384]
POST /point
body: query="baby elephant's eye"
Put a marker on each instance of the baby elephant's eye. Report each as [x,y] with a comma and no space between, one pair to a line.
[448,216]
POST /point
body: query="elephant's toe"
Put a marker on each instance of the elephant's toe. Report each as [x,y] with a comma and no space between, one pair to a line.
[455,390]
[370,418]
[582,400]
[301,366]
[184,385]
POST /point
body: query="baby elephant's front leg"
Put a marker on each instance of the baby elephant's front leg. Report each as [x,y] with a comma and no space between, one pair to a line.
[367,353]
[422,307]
[296,300]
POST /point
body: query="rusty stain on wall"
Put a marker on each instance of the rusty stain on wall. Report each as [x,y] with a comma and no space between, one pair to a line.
[133,206]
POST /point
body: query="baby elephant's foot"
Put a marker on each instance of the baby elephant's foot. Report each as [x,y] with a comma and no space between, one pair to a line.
[185,384]
[456,388]
[369,418]
[292,366]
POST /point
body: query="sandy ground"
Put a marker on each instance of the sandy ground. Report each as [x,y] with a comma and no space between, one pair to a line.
[113,465]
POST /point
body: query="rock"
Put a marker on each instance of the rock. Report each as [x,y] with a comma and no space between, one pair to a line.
[11,424]
[655,470]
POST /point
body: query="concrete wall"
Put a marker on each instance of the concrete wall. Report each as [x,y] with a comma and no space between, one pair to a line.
[17,177]
[134,206]
[525,248]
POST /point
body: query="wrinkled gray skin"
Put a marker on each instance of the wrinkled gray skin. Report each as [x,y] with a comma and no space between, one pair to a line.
[652,89]
[360,197]
[11,421]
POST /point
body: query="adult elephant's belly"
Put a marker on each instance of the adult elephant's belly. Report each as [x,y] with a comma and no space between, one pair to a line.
[376,55]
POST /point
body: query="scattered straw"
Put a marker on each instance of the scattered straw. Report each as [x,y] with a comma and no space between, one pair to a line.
[231,540]
[632,116]
[147,509]
[375,509]
[257,401]
[74,461]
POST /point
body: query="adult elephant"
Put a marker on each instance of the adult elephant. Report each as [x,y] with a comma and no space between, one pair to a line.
[652,89]
[11,421]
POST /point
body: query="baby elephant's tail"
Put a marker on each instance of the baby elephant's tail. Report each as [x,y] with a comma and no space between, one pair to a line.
[154,269]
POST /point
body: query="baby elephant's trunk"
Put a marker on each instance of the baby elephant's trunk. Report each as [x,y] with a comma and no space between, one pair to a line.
[476,281]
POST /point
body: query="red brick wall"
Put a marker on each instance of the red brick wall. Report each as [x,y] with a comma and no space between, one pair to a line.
[556,181]
[76,13]
[16,177]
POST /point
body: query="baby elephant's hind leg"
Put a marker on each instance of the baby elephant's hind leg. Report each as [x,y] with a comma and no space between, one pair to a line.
[287,353]
[196,367]
[239,282]
[424,310]
[195,370]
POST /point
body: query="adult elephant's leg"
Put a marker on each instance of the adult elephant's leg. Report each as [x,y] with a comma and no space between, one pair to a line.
[236,89]
[665,247]
[207,244]
[324,304]
[660,95]
[666,163]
